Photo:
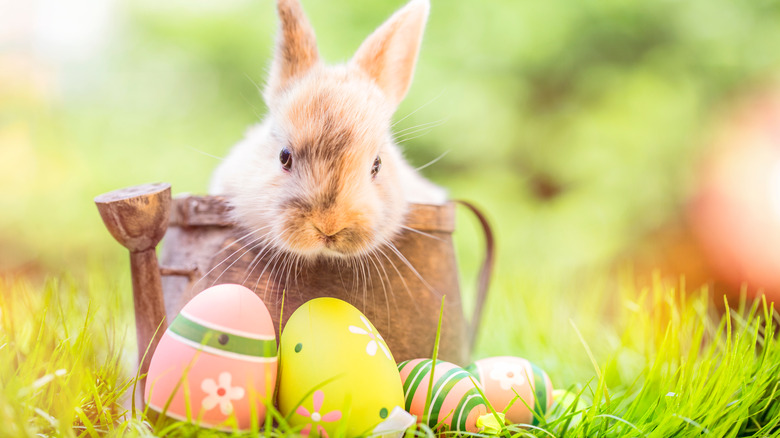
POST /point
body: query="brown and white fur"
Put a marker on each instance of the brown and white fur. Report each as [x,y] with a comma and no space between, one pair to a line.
[335,121]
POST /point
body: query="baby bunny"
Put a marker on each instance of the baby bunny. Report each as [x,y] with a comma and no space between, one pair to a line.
[321,175]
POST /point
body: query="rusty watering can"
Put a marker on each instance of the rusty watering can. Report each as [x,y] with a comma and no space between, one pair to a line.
[400,292]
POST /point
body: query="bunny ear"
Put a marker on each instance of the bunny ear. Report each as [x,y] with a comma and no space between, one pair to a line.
[389,54]
[296,47]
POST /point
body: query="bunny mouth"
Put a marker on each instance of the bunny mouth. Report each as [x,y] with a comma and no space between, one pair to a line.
[333,250]
[340,246]
[344,244]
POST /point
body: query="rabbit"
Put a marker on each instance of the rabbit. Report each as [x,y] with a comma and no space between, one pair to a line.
[321,176]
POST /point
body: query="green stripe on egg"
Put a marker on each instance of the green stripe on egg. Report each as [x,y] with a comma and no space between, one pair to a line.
[540,394]
[441,389]
[414,379]
[222,340]
[470,400]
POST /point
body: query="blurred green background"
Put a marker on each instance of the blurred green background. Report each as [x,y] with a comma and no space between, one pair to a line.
[577,125]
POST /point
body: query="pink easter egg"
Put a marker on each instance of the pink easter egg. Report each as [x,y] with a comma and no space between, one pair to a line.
[216,364]
[455,401]
[504,378]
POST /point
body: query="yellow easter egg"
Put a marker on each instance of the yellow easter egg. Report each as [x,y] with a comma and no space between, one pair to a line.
[336,373]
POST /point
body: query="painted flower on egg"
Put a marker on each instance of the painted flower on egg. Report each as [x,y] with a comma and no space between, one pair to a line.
[316,417]
[221,394]
[376,339]
[515,386]
[509,374]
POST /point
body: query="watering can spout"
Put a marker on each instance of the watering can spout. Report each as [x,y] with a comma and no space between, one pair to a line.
[137,217]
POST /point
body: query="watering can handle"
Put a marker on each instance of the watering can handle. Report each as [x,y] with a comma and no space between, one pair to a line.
[485,273]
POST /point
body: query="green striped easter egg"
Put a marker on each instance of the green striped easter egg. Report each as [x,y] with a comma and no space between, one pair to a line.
[455,400]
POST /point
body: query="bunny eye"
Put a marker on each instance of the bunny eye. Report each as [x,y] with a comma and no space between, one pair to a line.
[285,157]
[377,165]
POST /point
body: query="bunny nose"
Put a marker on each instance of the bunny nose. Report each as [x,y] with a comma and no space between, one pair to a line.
[328,230]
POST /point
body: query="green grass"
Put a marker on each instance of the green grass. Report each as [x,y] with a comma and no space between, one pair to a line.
[653,362]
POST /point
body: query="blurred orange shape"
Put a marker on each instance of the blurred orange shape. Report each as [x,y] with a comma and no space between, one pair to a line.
[736,214]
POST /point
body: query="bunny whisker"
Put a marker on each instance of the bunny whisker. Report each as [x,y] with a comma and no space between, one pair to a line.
[370,257]
[378,262]
[356,270]
[375,297]
[400,276]
[288,266]
[249,234]
[236,260]
[205,153]
[409,265]
[414,230]
[272,264]
[418,109]
[225,248]
[278,277]
[434,161]
[265,237]
[421,126]
[257,259]
[292,272]
[366,278]
[302,261]
[356,282]
[271,250]
[251,245]
[251,105]
[366,274]
[339,264]
[275,254]
[362,278]
[246,236]
[281,256]
[405,139]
